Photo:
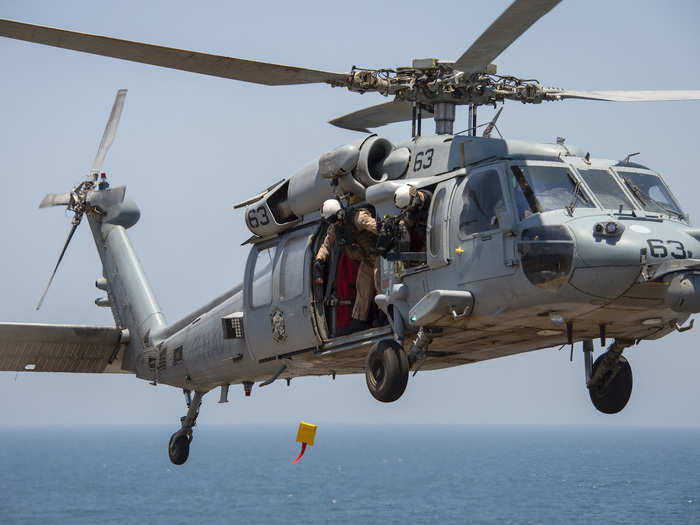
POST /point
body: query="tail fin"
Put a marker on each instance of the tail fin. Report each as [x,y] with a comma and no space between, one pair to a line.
[109,214]
[131,299]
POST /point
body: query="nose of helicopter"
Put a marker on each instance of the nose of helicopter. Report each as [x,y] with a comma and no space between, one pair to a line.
[608,255]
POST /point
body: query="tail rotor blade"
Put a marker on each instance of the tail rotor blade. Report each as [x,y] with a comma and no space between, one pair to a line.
[60,258]
[110,130]
[55,199]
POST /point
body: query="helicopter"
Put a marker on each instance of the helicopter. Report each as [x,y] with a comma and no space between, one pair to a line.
[577,200]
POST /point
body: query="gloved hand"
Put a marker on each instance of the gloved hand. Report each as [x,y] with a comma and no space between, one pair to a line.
[319,267]
[386,236]
[415,199]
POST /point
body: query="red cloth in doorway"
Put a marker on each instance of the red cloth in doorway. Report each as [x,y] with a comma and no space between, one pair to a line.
[345,288]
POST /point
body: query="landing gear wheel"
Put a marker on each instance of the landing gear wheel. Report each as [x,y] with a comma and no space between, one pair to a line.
[386,371]
[179,448]
[611,398]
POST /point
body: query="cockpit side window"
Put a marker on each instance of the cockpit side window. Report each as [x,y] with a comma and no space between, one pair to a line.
[651,192]
[482,203]
[291,268]
[543,188]
[607,190]
[262,277]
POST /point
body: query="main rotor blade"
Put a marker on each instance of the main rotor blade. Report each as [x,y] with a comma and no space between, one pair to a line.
[627,96]
[110,130]
[512,23]
[55,199]
[194,61]
[379,115]
[60,258]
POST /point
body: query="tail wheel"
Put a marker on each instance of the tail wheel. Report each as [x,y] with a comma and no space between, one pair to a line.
[179,448]
[386,371]
[613,394]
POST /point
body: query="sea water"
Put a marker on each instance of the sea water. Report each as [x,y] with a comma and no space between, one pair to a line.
[353,474]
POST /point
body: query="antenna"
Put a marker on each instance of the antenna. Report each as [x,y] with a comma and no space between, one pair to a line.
[491,125]
[628,157]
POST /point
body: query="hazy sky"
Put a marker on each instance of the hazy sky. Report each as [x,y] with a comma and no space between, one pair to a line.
[190,146]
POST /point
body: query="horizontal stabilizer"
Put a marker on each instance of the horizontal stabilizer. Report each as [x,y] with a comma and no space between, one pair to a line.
[60,348]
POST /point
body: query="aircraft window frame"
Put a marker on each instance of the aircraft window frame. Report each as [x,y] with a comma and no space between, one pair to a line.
[619,172]
[257,275]
[436,223]
[513,183]
[495,174]
[296,287]
[632,202]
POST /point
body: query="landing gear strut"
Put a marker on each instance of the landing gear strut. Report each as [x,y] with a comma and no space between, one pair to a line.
[386,371]
[609,380]
[179,446]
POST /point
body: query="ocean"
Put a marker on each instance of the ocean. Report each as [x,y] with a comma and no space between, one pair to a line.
[352,474]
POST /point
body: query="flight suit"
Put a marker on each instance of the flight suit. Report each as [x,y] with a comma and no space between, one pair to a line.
[359,231]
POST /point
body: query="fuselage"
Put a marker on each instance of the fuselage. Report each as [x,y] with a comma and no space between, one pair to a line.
[553,246]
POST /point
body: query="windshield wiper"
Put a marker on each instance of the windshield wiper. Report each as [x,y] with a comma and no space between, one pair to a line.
[668,210]
[635,190]
[638,193]
[529,195]
[576,192]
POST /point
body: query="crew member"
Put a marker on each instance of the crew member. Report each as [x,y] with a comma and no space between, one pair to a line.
[356,230]
[415,205]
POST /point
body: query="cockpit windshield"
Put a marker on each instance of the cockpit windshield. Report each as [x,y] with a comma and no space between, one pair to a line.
[607,190]
[651,192]
[544,188]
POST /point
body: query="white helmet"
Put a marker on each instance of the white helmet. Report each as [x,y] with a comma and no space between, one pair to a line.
[403,197]
[330,209]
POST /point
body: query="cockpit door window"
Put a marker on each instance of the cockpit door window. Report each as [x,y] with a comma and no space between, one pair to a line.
[539,188]
[482,203]
[438,224]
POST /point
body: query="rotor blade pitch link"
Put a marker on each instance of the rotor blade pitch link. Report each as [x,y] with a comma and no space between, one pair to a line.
[76,222]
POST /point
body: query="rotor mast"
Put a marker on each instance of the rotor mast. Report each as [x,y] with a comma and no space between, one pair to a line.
[444,115]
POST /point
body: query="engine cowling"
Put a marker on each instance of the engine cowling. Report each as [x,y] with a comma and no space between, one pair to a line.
[353,167]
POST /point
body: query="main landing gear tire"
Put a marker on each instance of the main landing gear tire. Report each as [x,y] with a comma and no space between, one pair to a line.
[179,448]
[612,398]
[386,371]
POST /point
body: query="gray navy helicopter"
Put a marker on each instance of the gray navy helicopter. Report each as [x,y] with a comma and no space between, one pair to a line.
[520,245]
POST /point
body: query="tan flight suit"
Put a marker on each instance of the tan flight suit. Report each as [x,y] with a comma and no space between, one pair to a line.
[360,245]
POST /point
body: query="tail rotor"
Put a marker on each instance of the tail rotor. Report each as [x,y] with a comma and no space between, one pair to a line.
[93,194]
